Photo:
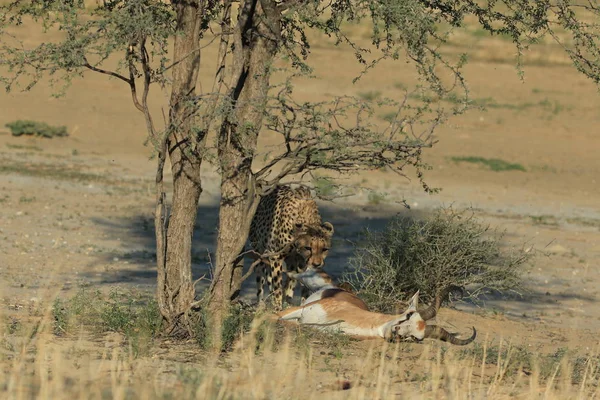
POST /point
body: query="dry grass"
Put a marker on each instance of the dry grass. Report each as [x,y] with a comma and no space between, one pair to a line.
[37,364]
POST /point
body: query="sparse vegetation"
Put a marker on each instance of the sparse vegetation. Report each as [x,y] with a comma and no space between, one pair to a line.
[237,323]
[132,314]
[589,222]
[389,117]
[23,147]
[34,128]
[137,317]
[256,367]
[544,220]
[447,248]
[495,164]
[515,359]
[371,95]
[482,33]
[55,171]
[376,198]
[324,187]
[554,107]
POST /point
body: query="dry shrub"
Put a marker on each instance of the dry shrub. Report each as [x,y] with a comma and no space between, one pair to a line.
[447,248]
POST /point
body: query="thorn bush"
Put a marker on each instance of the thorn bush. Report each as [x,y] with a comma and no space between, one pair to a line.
[446,248]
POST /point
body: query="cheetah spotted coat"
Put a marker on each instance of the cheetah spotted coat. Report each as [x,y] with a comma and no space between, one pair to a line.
[283,217]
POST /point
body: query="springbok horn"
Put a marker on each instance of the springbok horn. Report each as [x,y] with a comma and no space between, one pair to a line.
[437,332]
[346,286]
[431,311]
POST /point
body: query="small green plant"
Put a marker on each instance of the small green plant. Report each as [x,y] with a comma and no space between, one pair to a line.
[324,187]
[544,220]
[376,198]
[553,107]
[589,222]
[23,147]
[200,329]
[495,164]
[480,33]
[389,117]
[447,248]
[61,317]
[13,326]
[26,127]
[237,323]
[456,99]
[371,95]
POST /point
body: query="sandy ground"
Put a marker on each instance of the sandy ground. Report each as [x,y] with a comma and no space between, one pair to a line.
[79,209]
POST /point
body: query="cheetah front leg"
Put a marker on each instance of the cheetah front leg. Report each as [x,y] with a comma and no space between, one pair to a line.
[290,283]
[261,271]
[276,282]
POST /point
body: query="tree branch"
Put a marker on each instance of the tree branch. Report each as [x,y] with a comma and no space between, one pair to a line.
[131,80]
[250,270]
[102,71]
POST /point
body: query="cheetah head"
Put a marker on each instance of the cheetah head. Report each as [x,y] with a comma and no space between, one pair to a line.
[312,243]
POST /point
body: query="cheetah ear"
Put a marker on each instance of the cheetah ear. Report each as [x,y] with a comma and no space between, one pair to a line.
[328,228]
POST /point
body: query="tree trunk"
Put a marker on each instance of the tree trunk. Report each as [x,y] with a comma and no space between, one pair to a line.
[175,289]
[255,46]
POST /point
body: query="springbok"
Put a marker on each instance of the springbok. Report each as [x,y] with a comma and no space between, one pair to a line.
[333,308]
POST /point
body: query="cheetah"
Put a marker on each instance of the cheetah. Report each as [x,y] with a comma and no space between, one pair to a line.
[287,221]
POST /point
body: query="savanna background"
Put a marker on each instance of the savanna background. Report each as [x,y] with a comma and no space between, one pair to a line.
[77,243]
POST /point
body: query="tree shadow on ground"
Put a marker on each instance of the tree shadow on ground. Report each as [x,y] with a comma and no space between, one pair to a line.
[135,259]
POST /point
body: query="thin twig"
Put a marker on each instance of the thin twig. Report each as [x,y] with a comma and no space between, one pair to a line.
[251,270]
[198,280]
[106,72]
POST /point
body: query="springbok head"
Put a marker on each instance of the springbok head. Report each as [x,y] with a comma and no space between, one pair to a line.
[311,278]
[410,324]
[437,332]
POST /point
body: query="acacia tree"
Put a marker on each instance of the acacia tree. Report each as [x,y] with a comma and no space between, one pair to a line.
[130,40]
